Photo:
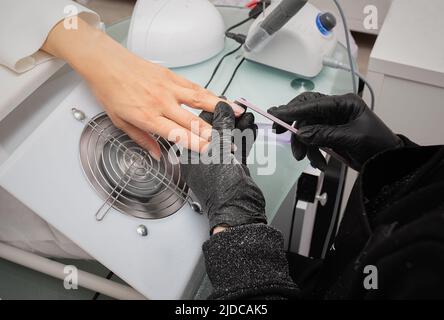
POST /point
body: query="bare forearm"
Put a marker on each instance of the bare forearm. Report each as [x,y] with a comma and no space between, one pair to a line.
[86,48]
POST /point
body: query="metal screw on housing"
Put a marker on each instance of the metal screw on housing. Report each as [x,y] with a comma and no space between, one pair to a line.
[79,115]
[196,206]
[142,230]
[322,198]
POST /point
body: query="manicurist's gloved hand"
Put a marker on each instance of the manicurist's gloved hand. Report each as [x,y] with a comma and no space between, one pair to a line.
[344,124]
[243,138]
[220,182]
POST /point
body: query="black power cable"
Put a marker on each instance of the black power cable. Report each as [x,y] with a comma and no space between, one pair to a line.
[236,37]
[238,24]
[239,38]
[219,64]
[232,77]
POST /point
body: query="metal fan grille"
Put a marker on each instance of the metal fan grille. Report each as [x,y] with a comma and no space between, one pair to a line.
[126,176]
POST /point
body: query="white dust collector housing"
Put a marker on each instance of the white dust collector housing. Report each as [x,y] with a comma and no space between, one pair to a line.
[176,33]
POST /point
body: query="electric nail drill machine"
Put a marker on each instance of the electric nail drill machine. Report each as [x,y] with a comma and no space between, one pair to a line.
[304,39]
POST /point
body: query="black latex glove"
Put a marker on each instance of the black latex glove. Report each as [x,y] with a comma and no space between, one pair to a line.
[224,188]
[342,123]
[243,138]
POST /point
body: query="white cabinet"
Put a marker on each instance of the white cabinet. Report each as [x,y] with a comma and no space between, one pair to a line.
[406,70]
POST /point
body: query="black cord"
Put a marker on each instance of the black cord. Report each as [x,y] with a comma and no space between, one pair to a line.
[97,294]
[232,77]
[219,64]
[238,24]
[227,32]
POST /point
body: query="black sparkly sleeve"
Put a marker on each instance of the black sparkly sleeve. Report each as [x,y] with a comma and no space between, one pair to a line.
[248,262]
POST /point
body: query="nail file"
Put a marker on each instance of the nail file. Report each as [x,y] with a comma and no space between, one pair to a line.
[266,115]
[255,108]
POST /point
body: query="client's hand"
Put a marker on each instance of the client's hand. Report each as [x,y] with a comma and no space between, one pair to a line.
[343,123]
[140,97]
[221,183]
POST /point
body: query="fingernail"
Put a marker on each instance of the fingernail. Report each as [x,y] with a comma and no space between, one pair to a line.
[238,110]
[205,148]
[154,155]
[206,134]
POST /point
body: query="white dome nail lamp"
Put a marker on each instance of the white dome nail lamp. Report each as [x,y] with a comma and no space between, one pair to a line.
[176,33]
